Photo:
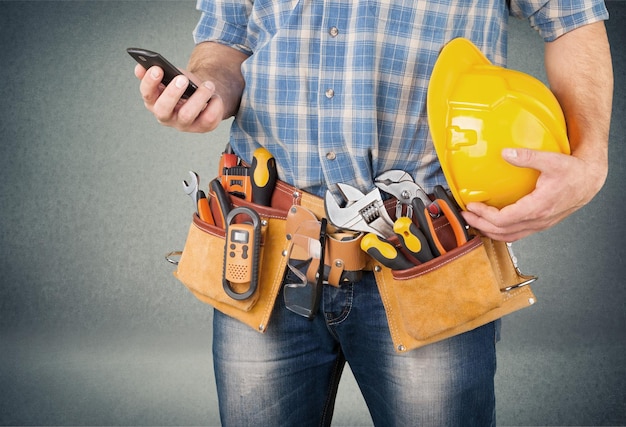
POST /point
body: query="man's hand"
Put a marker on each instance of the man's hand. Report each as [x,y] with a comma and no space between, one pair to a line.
[202,112]
[578,66]
[566,184]
[219,67]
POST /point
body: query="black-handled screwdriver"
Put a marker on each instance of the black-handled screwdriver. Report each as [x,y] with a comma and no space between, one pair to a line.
[263,176]
[384,252]
[412,239]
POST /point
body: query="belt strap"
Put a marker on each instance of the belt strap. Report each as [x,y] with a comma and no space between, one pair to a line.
[343,250]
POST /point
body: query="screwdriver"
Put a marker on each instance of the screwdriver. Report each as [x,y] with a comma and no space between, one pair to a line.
[264,175]
[384,252]
[221,198]
[412,239]
[204,211]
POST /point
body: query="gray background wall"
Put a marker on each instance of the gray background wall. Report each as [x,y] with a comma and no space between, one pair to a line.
[94,330]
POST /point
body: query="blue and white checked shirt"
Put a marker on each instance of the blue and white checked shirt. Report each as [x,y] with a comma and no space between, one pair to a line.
[336,89]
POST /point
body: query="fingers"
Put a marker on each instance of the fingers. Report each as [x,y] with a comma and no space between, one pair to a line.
[509,224]
[554,197]
[165,107]
[201,112]
[150,86]
[543,161]
[139,71]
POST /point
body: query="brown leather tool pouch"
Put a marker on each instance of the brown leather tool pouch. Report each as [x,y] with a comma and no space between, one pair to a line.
[201,264]
[463,289]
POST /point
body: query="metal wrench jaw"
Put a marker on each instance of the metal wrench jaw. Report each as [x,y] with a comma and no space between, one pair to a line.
[367,213]
[350,193]
[191,188]
[401,185]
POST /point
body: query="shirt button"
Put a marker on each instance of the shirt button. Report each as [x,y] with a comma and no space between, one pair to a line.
[329,93]
[334,31]
[331,155]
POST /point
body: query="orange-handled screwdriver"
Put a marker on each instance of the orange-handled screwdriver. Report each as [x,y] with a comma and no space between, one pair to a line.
[204,211]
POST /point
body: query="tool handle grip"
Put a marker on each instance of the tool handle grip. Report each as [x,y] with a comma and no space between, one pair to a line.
[441,193]
[264,176]
[422,217]
[384,252]
[204,211]
[458,226]
[412,239]
[221,198]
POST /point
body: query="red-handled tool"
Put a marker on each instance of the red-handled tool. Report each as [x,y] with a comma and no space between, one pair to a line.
[234,177]
[442,208]
[441,193]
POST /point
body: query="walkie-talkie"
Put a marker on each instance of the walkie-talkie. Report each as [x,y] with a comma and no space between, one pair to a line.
[241,254]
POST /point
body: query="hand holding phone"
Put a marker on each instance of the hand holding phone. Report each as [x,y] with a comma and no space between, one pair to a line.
[147,59]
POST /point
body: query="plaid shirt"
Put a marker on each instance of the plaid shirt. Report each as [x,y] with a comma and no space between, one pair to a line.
[336,89]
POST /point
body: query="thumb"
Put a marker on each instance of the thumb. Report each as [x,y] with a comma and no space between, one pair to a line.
[518,156]
[527,158]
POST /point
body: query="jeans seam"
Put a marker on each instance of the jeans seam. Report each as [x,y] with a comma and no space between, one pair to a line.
[344,313]
[331,395]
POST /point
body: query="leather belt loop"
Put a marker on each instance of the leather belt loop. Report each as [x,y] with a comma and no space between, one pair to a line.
[336,270]
[344,252]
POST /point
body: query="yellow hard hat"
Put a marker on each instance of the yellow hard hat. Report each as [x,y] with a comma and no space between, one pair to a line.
[475,109]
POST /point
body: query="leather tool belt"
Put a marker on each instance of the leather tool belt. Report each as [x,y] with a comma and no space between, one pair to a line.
[469,286]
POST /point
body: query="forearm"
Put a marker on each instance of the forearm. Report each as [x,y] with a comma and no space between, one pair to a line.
[221,65]
[580,74]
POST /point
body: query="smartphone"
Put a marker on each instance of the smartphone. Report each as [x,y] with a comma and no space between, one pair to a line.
[148,59]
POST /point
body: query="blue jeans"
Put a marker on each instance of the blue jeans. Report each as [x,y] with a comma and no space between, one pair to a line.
[289,375]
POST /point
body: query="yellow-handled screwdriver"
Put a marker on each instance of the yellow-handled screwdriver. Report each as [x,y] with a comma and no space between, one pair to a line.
[264,175]
[384,252]
[412,239]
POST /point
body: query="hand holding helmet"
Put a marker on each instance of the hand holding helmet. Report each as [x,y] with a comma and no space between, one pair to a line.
[475,110]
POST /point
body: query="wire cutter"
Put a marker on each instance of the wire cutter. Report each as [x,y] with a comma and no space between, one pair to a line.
[425,215]
[401,185]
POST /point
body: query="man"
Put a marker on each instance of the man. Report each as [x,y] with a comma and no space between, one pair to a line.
[336,91]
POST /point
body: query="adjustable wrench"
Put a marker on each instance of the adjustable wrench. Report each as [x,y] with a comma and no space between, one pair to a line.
[363,212]
[191,188]
[400,184]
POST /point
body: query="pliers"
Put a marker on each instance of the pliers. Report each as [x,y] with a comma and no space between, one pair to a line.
[425,215]
[401,185]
